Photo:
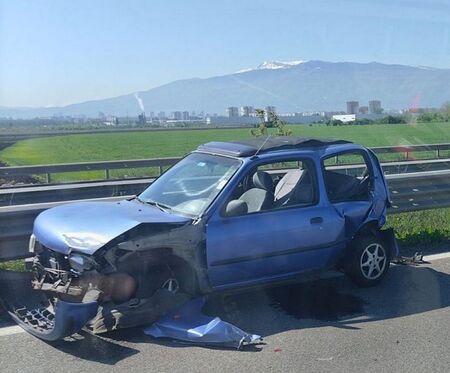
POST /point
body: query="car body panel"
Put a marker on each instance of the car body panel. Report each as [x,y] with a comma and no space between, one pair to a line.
[270,244]
[88,226]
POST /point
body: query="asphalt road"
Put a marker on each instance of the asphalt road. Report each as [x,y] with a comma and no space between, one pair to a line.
[324,325]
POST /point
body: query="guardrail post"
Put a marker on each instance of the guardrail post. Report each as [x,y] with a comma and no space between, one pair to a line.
[437,153]
[406,155]
[160,170]
[48,178]
[107,173]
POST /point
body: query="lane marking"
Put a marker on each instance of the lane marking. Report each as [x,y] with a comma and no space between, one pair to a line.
[10,330]
[429,258]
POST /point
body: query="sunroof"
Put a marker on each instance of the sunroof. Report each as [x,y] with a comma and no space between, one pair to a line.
[249,147]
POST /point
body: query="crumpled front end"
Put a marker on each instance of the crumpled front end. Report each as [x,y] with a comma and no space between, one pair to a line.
[44,317]
[117,287]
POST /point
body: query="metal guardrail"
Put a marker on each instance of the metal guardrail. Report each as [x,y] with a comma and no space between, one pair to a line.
[409,192]
[107,166]
[407,150]
[8,172]
[40,193]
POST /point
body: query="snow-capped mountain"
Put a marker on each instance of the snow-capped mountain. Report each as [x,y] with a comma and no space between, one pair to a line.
[290,86]
[274,65]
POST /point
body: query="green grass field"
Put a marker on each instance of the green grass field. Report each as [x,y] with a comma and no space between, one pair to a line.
[133,145]
[102,147]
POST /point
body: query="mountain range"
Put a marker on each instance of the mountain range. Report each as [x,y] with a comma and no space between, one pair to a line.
[289,86]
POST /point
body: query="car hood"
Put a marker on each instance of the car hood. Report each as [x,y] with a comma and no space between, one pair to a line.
[87,226]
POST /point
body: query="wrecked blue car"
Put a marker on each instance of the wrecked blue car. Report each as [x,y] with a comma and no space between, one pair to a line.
[227,216]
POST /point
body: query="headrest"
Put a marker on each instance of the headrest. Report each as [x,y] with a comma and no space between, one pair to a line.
[262,180]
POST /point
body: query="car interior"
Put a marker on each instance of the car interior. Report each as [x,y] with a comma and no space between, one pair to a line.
[265,189]
[349,183]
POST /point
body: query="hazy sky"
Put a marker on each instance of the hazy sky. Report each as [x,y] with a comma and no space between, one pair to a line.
[56,52]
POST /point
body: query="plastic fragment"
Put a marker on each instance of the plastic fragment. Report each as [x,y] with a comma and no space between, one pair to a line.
[188,324]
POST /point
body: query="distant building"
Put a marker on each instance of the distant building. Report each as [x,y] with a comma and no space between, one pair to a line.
[270,109]
[232,112]
[375,107]
[177,115]
[352,107]
[247,111]
[363,110]
[142,119]
[345,117]
[161,115]
[302,118]
[185,115]
[231,121]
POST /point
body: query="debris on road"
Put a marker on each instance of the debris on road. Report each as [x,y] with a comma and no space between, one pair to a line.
[188,324]
[416,259]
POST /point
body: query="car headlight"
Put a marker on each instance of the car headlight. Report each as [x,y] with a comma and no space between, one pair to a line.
[81,263]
[32,243]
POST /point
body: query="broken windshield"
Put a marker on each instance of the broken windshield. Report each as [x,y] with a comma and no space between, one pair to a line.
[191,185]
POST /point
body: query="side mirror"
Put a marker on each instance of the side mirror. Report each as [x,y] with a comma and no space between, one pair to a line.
[236,207]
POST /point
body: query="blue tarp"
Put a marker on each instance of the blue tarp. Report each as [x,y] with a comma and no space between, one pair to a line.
[188,324]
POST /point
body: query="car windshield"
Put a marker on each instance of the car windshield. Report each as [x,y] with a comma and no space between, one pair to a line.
[192,184]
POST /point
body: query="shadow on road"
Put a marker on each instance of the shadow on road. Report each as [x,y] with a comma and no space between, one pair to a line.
[335,302]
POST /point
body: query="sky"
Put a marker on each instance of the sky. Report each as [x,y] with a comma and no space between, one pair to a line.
[58,52]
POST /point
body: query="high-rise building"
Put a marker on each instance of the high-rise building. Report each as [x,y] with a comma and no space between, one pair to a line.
[161,115]
[232,112]
[247,111]
[375,107]
[177,115]
[363,109]
[352,107]
[185,115]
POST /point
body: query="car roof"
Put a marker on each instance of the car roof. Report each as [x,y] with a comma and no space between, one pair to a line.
[259,145]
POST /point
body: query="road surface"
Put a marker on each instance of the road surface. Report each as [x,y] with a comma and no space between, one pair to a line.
[326,325]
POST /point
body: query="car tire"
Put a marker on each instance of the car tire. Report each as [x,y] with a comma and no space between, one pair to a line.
[368,261]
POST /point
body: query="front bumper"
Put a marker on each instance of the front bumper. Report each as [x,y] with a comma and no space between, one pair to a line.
[31,310]
[67,319]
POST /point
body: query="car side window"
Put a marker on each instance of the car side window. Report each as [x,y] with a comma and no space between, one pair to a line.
[347,177]
[275,185]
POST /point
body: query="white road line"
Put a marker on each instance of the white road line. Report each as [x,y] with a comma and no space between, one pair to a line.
[10,330]
[429,258]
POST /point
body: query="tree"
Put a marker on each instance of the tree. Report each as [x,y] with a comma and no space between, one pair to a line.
[280,126]
[446,111]
[261,130]
[273,121]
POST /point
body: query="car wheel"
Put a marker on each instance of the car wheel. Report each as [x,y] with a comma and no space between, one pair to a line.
[368,262]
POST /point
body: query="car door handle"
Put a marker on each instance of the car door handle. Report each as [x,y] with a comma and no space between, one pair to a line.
[316,220]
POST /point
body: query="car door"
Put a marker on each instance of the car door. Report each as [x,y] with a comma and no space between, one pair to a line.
[271,244]
[349,185]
